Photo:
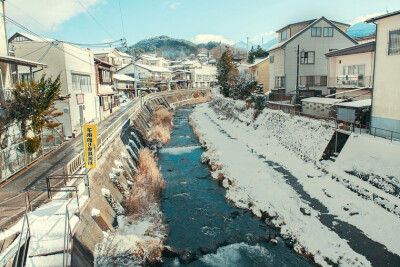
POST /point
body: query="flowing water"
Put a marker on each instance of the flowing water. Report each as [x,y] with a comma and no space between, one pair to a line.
[205,229]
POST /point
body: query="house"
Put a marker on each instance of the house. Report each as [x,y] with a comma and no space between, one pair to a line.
[206,76]
[319,106]
[152,60]
[77,73]
[125,85]
[298,59]
[108,98]
[182,79]
[112,55]
[350,71]
[257,71]
[385,112]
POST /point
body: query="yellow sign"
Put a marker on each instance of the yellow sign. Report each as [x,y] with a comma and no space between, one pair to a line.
[90,145]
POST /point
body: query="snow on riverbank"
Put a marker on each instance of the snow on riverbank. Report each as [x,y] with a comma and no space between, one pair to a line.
[237,149]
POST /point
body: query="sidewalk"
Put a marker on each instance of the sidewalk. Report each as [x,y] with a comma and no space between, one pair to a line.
[33,178]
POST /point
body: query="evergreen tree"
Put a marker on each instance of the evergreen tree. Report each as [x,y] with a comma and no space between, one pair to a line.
[251,57]
[34,101]
[226,72]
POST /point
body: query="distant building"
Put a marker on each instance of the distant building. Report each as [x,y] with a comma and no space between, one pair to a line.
[77,72]
[305,42]
[113,56]
[386,92]
[152,60]
[350,71]
[204,77]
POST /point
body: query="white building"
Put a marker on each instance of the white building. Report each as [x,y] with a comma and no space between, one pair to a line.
[386,92]
[151,60]
[306,42]
[77,72]
[206,76]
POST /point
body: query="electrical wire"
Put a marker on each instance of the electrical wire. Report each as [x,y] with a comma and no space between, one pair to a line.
[122,21]
[98,23]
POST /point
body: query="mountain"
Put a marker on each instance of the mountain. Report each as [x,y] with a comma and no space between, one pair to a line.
[361,29]
[270,43]
[241,44]
[166,46]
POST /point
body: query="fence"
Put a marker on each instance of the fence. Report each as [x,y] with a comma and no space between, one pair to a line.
[287,108]
[355,127]
[16,157]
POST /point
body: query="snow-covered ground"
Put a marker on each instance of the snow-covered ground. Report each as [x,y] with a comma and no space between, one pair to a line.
[251,155]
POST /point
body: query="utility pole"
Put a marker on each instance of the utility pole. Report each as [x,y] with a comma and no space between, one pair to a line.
[262,42]
[220,48]
[247,50]
[297,76]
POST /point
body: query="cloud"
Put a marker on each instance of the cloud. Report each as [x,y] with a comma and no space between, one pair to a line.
[266,35]
[107,40]
[205,38]
[45,15]
[364,18]
[172,5]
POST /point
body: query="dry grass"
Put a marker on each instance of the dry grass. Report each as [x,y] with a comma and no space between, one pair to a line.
[160,133]
[161,125]
[161,116]
[149,184]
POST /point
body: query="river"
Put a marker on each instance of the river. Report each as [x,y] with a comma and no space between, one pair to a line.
[204,227]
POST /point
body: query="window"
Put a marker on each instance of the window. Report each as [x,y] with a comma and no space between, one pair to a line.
[313,81]
[394,42]
[307,57]
[81,83]
[283,35]
[280,82]
[106,104]
[271,59]
[316,31]
[105,77]
[354,69]
[328,32]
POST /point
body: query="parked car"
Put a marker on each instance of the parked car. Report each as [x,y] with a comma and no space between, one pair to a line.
[123,98]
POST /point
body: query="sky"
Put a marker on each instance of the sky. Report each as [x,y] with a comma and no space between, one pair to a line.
[231,21]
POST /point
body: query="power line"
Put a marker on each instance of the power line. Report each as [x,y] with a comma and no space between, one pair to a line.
[40,37]
[98,23]
[122,21]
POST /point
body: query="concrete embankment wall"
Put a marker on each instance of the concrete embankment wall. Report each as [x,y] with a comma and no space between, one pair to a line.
[101,212]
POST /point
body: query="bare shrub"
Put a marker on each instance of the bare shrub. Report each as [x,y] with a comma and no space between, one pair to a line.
[161,116]
[160,133]
[161,125]
[149,184]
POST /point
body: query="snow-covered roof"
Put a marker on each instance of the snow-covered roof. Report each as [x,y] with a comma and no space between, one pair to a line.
[153,68]
[322,100]
[258,61]
[32,37]
[356,104]
[107,50]
[123,77]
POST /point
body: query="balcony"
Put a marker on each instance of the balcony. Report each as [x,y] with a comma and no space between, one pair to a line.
[350,81]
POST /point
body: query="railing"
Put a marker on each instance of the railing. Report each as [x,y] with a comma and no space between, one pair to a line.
[355,127]
[16,157]
[67,236]
[24,237]
[351,81]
